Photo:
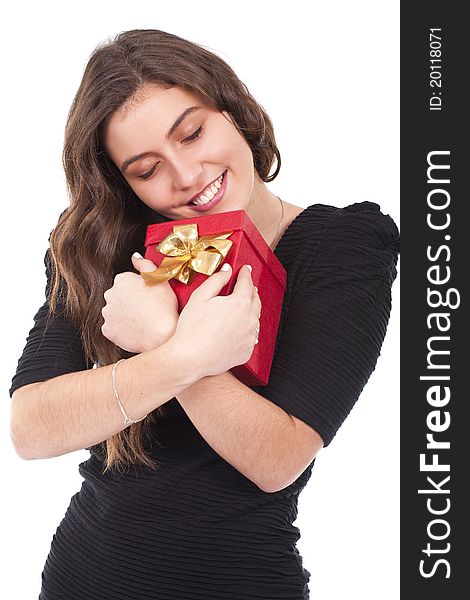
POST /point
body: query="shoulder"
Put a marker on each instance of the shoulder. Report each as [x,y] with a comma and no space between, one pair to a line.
[353,221]
[357,240]
[321,226]
[362,228]
[366,220]
[360,223]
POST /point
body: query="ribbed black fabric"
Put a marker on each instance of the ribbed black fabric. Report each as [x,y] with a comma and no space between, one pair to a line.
[195,528]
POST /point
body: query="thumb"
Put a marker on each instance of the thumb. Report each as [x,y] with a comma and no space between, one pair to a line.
[142,264]
[213,285]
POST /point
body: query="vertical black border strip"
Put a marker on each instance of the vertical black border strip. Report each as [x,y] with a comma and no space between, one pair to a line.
[433,120]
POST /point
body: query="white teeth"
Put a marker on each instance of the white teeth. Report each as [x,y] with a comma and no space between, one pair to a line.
[209,193]
[200,201]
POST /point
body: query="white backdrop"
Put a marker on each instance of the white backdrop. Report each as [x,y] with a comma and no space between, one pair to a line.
[328,75]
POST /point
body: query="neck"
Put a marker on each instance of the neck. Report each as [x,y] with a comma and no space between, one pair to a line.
[265,210]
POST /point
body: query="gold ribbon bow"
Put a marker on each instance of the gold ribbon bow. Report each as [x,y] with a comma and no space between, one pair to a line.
[186,253]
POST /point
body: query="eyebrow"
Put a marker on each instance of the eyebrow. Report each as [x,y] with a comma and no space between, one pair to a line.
[191,109]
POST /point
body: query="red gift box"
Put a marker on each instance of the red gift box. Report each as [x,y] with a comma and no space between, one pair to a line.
[248,247]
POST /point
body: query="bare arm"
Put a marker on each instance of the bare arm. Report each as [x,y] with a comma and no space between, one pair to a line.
[79,410]
[259,439]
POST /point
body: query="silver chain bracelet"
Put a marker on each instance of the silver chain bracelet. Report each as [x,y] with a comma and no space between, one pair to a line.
[127,419]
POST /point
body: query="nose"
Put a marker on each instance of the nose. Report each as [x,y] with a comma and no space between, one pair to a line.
[186,174]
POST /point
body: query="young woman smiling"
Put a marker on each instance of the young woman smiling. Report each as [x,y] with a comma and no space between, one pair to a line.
[191,488]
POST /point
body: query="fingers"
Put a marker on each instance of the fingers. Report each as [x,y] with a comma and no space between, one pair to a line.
[256,331]
[214,284]
[256,308]
[244,284]
[256,301]
[143,265]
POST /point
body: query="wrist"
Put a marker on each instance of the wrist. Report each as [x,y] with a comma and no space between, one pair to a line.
[149,345]
[175,352]
[152,342]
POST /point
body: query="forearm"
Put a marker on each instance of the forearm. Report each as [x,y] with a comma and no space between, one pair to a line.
[79,410]
[252,434]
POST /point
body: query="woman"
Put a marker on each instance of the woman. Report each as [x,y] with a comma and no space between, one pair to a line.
[191,488]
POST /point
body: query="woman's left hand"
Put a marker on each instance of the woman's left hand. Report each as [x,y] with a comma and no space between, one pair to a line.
[139,317]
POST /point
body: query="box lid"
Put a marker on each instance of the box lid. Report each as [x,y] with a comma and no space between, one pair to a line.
[234,220]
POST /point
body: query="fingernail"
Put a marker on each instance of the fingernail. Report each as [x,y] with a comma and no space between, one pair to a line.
[249,267]
[137,255]
[225,267]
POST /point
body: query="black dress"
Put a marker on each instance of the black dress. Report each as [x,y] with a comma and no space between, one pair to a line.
[196,528]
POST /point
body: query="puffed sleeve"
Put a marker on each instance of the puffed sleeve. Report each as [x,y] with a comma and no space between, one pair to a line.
[336,318]
[53,347]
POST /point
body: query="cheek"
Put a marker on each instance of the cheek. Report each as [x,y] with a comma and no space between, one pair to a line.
[243,159]
[226,143]
[146,193]
[137,189]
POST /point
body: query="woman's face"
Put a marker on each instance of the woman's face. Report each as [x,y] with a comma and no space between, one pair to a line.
[172,149]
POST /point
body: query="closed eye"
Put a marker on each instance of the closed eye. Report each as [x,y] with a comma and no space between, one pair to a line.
[195,135]
[191,138]
[145,176]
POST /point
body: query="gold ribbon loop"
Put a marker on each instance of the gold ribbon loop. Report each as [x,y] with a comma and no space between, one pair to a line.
[186,253]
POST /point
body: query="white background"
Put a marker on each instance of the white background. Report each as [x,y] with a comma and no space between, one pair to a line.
[327,74]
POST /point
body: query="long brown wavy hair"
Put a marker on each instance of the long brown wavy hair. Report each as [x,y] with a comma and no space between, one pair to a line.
[105,221]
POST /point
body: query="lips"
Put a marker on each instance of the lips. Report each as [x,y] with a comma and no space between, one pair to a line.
[205,189]
[213,201]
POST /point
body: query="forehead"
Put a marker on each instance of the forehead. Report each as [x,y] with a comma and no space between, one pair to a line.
[149,113]
[157,97]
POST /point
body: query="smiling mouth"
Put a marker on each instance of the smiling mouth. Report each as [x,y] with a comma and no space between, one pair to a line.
[208,193]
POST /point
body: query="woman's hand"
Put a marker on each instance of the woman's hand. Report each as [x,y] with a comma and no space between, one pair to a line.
[216,333]
[138,317]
